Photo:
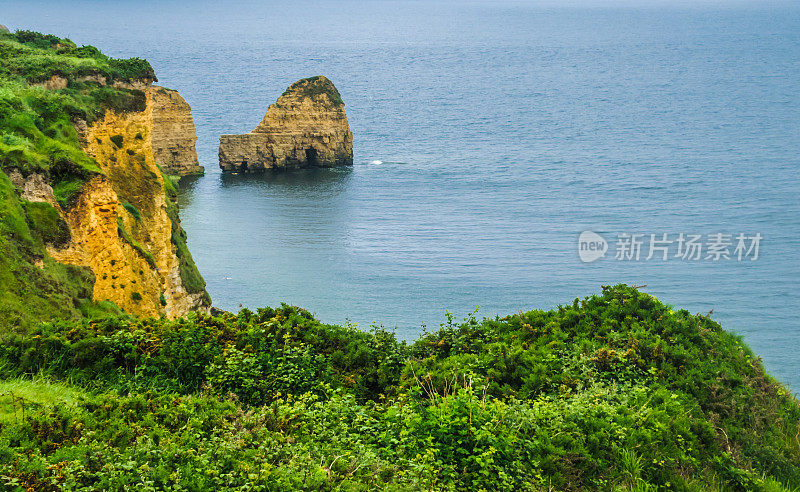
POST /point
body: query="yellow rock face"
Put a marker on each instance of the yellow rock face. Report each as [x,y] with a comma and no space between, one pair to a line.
[119,224]
[174,136]
[306,127]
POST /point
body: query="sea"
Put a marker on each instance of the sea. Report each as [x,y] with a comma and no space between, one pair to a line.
[489,136]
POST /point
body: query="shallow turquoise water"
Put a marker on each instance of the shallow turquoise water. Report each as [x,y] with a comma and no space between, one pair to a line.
[504,129]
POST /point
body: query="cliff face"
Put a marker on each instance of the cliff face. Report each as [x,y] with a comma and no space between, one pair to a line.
[306,127]
[174,136]
[86,215]
[124,224]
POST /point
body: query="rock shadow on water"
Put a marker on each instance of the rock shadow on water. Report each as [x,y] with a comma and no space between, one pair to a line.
[288,179]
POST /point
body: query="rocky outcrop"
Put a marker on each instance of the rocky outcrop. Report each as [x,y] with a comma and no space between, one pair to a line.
[174,136]
[124,224]
[306,127]
[34,188]
[4,29]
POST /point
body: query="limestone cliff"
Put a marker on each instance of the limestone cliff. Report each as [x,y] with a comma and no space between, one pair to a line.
[306,127]
[174,136]
[124,224]
[88,210]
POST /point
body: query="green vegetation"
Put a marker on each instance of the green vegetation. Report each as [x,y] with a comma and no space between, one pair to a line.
[117,140]
[46,224]
[38,57]
[25,394]
[38,136]
[314,86]
[613,392]
[132,210]
[125,236]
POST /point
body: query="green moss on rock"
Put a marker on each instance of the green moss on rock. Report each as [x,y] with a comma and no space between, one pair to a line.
[46,223]
[314,86]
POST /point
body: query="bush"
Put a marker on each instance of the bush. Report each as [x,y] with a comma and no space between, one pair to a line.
[612,392]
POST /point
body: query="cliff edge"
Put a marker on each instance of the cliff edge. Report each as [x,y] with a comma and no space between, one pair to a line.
[89,219]
[125,225]
[306,127]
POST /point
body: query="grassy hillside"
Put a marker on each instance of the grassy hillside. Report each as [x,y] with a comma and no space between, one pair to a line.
[613,392]
[33,287]
[38,136]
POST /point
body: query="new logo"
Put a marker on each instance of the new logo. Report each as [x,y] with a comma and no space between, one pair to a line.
[591,246]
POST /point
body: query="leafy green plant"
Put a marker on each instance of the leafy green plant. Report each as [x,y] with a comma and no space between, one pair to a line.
[588,396]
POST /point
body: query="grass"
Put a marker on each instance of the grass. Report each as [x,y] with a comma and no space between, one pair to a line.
[46,223]
[37,57]
[21,395]
[125,236]
[133,211]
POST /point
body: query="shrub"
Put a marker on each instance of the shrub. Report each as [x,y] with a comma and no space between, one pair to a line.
[132,210]
[612,390]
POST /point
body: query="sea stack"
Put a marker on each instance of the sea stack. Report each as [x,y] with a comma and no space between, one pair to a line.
[306,127]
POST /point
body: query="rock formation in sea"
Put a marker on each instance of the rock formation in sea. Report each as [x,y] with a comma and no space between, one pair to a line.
[306,127]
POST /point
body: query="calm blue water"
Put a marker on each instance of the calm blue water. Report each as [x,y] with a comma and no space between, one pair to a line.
[504,130]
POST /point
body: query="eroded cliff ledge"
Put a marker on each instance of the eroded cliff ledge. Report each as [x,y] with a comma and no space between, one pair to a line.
[306,127]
